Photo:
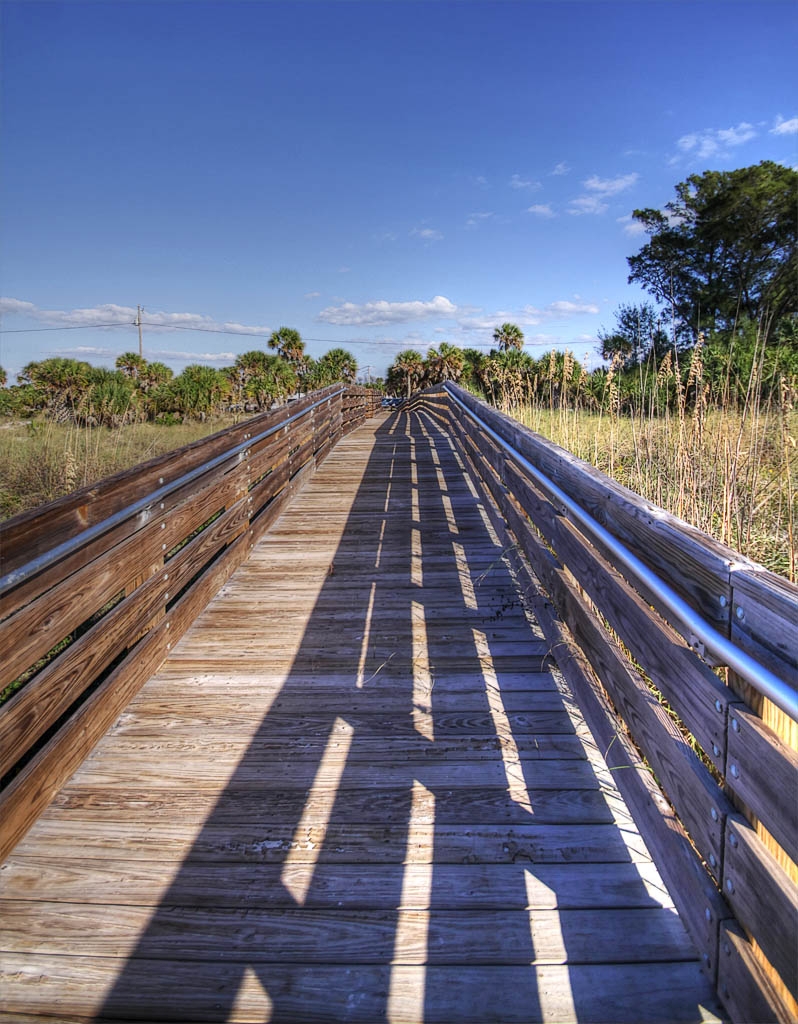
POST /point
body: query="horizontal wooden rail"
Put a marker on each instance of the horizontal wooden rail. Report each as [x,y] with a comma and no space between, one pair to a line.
[98,586]
[717,756]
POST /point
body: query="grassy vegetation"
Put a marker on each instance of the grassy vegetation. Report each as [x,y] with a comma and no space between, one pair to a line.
[730,470]
[42,460]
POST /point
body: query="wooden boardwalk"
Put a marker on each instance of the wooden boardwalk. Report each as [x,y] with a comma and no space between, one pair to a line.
[358,790]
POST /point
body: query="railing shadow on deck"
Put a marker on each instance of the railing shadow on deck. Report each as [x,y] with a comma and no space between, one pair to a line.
[279,945]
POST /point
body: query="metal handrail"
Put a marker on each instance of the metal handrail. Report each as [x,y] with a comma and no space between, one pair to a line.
[47,558]
[777,690]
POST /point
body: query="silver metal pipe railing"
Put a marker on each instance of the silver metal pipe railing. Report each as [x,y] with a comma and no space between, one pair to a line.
[723,650]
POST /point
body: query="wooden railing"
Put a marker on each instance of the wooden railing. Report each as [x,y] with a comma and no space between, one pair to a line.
[98,586]
[726,836]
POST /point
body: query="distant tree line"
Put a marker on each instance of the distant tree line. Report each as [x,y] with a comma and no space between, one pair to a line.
[71,390]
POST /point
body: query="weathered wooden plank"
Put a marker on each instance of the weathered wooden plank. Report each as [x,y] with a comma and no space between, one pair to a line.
[621,993]
[358,936]
[763,771]
[743,986]
[348,886]
[763,898]
[258,842]
[247,698]
[196,767]
[242,804]
[765,619]
[367,725]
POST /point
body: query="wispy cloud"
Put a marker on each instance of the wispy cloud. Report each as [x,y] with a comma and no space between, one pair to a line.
[631,226]
[566,308]
[714,142]
[598,191]
[312,295]
[153,354]
[518,182]
[428,234]
[528,315]
[782,127]
[611,186]
[561,168]
[381,311]
[587,204]
[541,210]
[114,315]
[478,218]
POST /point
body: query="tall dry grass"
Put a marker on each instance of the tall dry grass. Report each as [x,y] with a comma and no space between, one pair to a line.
[43,460]
[728,468]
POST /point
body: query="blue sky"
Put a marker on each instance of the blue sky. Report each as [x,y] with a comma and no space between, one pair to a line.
[378,175]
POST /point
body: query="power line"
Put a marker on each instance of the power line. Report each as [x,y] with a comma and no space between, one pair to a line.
[337,342]
[75,327]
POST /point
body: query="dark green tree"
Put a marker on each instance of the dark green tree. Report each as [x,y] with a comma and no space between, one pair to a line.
[639,331]
[724,249]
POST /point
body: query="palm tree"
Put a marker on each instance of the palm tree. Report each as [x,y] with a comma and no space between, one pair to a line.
[408,365]
[60,384]
[154,375]
[339,364]
[289,345]
[131,364]
[273,381]
[196,393]
[445,363]
[508,336]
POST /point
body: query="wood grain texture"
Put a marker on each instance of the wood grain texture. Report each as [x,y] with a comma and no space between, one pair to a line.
[356,790]
[763,898]
[763,771]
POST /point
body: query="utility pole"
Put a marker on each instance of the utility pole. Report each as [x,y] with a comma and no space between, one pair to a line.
[138,324]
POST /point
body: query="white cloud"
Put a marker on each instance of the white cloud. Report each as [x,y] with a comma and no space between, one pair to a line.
[541,210]
[565,308]
[713,142]
[16,306]
[312,295]
[518,182]
[528,316]
[561,168]
[428,234]
[782,127]
[587,204]
[477,218]
[114,315]
[153,355]
[631,226]
[611,186]
[381,311]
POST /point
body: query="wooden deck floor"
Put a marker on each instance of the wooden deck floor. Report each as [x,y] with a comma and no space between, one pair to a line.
[357,791]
